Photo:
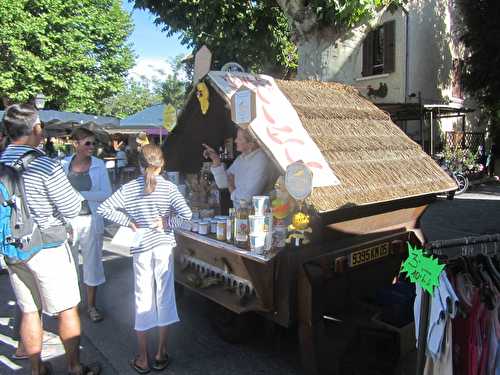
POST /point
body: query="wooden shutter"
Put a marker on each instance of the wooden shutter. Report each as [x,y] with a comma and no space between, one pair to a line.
[389,46]
[368,55]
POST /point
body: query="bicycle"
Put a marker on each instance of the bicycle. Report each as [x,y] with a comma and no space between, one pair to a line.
[456,173]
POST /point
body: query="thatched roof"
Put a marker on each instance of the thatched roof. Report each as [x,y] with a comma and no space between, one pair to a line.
[373,159]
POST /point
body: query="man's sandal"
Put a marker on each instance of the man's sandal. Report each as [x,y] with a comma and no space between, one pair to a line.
[161,364]
[137,368]
[94,315]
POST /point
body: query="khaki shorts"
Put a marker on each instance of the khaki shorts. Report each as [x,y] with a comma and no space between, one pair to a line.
[47,282]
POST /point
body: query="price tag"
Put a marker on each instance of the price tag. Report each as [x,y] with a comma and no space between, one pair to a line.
[422,269]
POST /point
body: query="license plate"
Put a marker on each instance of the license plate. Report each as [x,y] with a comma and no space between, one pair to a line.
[368,255]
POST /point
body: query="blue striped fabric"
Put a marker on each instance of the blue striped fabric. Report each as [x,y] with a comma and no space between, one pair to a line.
[129,203]
[49,195]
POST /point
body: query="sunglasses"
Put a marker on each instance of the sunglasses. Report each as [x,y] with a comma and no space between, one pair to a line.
[90,143]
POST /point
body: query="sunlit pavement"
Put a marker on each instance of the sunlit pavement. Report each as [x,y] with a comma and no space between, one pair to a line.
[53,350]
[194,347]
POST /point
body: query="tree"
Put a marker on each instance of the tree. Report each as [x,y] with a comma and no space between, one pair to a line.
[307,16]
[136,96]
[252,33]
[143,92]
[173,89]
[74,51]
[258,34]
[479,31]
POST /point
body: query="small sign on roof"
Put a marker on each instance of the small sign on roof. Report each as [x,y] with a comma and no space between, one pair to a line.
[243,107]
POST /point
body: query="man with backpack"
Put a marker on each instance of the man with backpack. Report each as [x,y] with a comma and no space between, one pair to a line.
[37,196]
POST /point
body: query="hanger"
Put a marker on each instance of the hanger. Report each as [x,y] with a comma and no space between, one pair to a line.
[477,280]
[490,269]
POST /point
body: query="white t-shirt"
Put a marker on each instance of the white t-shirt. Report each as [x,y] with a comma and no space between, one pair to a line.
[252,172]
[443,306]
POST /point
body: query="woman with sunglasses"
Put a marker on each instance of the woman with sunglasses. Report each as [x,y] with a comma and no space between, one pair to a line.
[89,176]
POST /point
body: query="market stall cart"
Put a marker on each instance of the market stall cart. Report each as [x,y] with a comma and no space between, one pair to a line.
[371,186]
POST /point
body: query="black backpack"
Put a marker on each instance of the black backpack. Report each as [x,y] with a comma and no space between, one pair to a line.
[20,236]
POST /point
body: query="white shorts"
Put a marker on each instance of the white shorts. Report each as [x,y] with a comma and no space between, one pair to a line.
[155,304]
[87,241]
[46,282]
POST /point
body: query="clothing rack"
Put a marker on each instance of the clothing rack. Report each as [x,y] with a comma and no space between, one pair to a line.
[487,245]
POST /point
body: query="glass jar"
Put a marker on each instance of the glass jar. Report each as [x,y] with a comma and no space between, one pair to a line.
[241,224]
[203,227]
[213,225]
[195,225]
[221,229]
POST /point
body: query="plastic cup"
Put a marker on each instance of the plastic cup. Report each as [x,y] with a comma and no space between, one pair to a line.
[257,243]
[257,224]
[260,204]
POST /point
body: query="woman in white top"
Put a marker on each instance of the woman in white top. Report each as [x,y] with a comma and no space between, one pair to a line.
[250,174]
[142,204]
[89,176]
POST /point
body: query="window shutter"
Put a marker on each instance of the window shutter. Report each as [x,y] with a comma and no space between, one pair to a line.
[389,46]
[368,55]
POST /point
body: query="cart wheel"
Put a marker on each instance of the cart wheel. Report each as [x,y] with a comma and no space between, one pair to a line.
[231,327]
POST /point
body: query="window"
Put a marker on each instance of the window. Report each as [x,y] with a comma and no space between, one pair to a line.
[379,50]
[457,87]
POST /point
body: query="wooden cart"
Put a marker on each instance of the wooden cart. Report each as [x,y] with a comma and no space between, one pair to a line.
[362,226]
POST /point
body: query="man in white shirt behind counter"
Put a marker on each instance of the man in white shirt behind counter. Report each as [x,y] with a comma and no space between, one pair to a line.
[252,173]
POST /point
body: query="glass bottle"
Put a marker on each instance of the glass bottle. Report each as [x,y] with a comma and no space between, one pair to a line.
[230,226]
[241,225]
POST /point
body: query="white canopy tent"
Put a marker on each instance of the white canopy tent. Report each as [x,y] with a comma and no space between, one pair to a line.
[149,120]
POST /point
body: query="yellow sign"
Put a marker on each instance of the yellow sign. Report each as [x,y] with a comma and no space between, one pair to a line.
[203,95]
[367,255]
[169,117]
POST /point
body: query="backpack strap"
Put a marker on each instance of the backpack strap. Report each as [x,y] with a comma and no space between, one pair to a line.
[24,161]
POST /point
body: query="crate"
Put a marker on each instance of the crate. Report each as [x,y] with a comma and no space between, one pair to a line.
[407,338]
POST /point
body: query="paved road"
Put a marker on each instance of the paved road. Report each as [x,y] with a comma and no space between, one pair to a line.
[193,345]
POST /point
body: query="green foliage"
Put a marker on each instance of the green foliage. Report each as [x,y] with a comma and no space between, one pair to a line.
[74,51]
[257,34]
[136,96]
[253,33]
[479,32]
[458,159]
[345,14]
[173,89]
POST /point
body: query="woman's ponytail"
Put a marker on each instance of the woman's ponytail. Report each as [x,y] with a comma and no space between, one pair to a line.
[150,158]
[149,180]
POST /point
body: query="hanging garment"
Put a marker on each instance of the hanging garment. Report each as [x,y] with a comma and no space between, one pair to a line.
[444,364]
[443,305]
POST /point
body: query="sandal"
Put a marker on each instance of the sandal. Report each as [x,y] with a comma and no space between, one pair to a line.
[94,314]
[17,357]
[161,364]
[137,368]
[92,369]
